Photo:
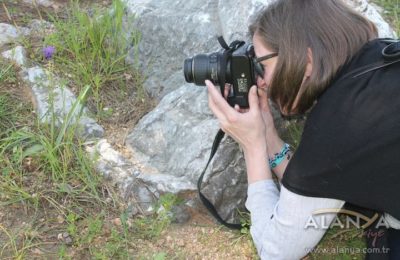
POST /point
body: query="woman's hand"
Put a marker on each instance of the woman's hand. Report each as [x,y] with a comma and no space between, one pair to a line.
[247,128]
[265,108]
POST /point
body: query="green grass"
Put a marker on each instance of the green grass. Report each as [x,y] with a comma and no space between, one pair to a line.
[47,180]
[391,12]
[92,48]
[6,72]
[5,114]
[8,105]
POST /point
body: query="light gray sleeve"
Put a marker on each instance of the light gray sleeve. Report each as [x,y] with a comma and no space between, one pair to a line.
[282,223]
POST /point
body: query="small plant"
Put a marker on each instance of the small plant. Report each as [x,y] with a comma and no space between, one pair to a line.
[295,130]
[5,113]
[91,48]
[7,73]
[151,227]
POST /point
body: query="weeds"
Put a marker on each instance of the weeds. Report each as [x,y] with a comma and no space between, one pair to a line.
[45,176]
[152,227]
[391,12]
[90,47]
[7,73]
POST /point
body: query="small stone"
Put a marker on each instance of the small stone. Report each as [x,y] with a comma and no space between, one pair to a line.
[37,251]
[180,243]
[117,222]
[180,215]
[60,219]
[68,241]
[17,55]
[65,237]
[9,33]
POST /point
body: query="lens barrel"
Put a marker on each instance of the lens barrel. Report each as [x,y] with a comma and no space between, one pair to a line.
[188,70]
[201,67]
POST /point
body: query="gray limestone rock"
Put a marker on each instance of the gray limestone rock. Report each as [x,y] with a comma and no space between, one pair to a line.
[175,30]
[52,98]
[9,33]
[45,3]
[17,55]
[174,140]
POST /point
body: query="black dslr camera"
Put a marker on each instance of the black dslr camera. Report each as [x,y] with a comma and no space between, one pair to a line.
[233,64]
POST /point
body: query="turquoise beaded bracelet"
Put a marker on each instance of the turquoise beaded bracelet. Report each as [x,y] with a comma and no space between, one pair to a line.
[278,157]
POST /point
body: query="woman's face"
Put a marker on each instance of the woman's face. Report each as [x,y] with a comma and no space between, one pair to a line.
[268,64]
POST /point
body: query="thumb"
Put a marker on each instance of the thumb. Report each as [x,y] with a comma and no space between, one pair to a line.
[253,98]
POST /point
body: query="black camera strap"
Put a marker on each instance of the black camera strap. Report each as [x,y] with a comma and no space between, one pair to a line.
[220,135]
[228,51]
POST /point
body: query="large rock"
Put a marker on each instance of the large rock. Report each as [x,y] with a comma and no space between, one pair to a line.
[54,101]
[173,142]
[175,139]
[174,30]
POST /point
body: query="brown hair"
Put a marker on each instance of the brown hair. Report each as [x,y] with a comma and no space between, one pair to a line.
[332,31]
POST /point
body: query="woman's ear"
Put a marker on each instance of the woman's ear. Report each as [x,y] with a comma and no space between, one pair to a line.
[309,66]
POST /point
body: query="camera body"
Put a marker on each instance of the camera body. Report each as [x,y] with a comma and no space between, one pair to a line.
[233,64]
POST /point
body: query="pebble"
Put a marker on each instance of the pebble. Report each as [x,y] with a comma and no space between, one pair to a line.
[65,237]
[117,222]
[180,243]
[60,219]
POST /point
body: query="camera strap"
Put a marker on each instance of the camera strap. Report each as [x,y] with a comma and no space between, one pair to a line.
[210,207]
[228,50]
[220,135]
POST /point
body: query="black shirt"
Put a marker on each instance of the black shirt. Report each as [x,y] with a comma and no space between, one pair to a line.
[350,147]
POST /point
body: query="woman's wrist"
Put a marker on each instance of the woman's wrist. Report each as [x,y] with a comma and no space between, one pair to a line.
[279,157]
[275,146]
[257,167]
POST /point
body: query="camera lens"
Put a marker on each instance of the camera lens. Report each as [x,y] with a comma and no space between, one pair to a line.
[201,67]
[187,70]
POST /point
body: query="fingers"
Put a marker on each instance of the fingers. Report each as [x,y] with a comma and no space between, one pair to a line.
[218,104]
[253,99]
[263,98]
[227,90]
[212,92]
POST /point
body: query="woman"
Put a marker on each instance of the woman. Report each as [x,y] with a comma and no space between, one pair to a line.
[305,50]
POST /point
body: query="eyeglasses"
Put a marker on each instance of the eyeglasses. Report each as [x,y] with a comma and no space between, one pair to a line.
[258,66]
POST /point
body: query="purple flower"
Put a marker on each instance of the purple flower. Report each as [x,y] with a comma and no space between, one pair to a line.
[48,52]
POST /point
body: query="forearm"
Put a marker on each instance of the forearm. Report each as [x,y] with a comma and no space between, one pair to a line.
[279,220]
[275,144]
[256,165]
